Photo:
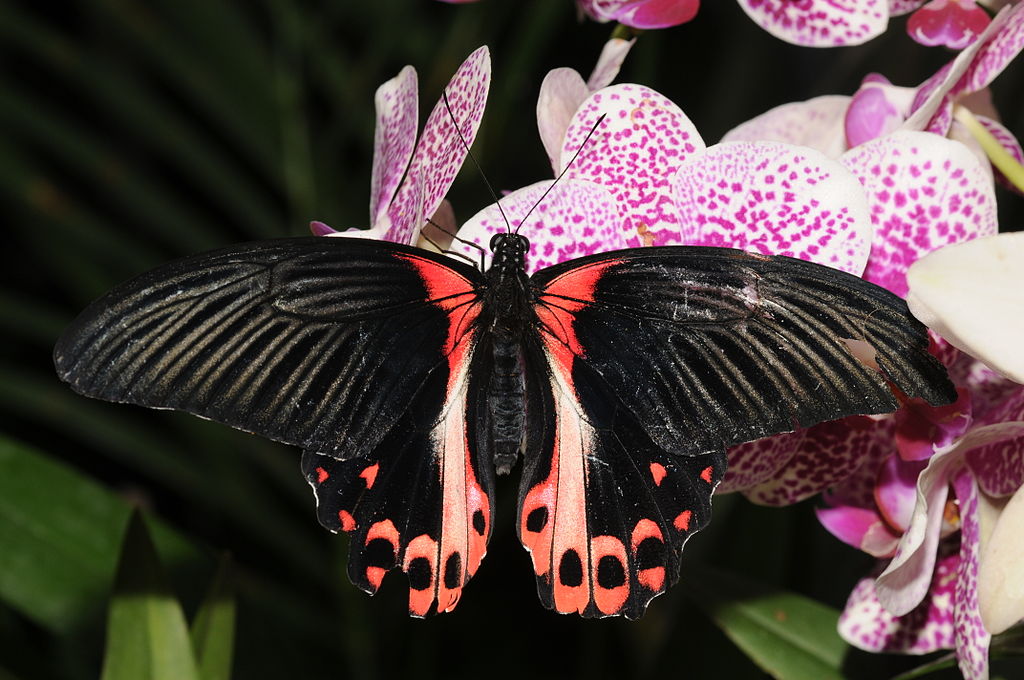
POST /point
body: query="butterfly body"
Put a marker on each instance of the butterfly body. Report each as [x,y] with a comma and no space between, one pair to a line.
[410,379]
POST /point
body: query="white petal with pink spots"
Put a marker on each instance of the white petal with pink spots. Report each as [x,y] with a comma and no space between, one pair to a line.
[775,199]
[866,624]
[925,192]
[971,638]
[634,153]
[394,138]
[440,152]
[820,23]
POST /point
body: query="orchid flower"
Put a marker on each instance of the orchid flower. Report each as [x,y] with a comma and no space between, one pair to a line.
[955,575]
[410,178]
[834,123]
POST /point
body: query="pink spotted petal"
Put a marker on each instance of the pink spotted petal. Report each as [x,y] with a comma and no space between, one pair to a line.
[318,228]
[755,462]
[951,23]
[971,637]
[608,64]
[877,109]
[866,624]
[817,123]
[775,199]
[439,232]
[896,491]
[820,23]
[575,219]
[561,93]
[970,293]
[858,489]
[974,68]
[634,154]
[440,152]
[829,454]
[998,465]
[862,528]
[921,428]
[997,51]
[1000,577]
[925,192]
[394,138]
[1009,142]
[904,583]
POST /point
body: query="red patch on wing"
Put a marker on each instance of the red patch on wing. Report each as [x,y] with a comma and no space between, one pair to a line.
[610,574]
[658,472]
[682,520]
[387,531]
[456,295]
[348,522]
[650,577]
[322,475]
[706,474]
[370,475]
[559,301]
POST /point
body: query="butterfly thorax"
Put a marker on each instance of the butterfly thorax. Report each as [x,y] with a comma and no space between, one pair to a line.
[508,299]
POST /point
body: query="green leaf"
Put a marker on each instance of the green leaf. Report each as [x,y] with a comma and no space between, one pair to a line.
[942,663]
[213,630]
[59,537]
[789,636]
[147,638]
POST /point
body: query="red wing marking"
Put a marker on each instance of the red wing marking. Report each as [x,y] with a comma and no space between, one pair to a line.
[682,520]
[370,474]
[647,536]
[384,530]
[707,474]
[559,301]
[609,573]
[658,473]
[456,295]
[348,522]
[322,475]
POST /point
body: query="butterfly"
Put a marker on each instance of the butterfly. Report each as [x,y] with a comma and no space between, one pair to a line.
[410,379]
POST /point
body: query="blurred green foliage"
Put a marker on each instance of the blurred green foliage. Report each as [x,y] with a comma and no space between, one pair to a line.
[136,131]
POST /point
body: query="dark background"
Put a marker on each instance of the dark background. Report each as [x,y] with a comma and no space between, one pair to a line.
[134,132]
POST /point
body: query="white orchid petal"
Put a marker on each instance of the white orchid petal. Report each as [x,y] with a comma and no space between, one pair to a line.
[970,294]
[608,64]
[817,123]
[561,93]
[1001,570]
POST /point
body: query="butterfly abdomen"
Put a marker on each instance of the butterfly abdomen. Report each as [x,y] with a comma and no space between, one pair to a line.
[505,395]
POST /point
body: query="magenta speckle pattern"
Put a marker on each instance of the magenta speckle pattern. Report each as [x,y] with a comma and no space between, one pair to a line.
[866,624]
[394,138]
[633,154]
[575,219]
[830,453]
[820,23]
[971,638]
[925,192]
[755,462]
[774,199]
[996,53]
[440,153]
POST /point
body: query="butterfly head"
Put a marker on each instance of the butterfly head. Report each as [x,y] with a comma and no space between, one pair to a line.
[509,250]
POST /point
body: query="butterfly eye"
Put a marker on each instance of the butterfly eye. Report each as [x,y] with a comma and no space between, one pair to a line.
[495,240]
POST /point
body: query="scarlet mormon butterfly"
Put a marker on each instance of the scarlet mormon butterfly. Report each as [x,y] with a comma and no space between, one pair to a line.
[409,379]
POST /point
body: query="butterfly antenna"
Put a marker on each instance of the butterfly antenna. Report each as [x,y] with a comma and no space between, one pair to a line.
[455,124]
[458,238]
[445,251]
[561,174]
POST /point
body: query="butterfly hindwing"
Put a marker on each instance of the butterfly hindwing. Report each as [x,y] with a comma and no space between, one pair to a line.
[358,351]
[603,510]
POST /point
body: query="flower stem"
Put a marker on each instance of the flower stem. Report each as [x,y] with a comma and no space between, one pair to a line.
[1000,157]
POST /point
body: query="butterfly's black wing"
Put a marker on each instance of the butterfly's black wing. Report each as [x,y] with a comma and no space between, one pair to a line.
[358,351]
[652,362]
